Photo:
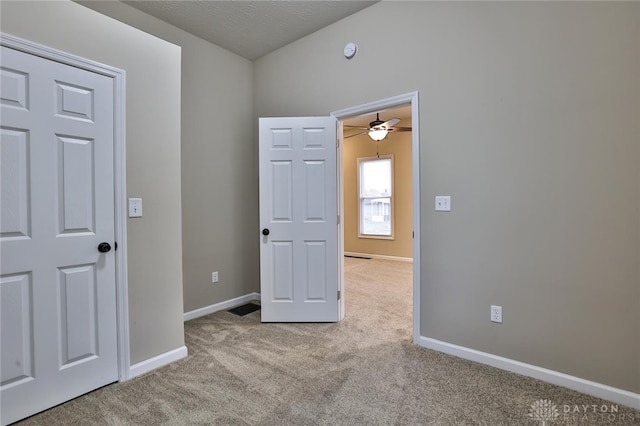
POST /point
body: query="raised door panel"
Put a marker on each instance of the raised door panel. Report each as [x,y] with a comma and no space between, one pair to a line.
[281,139]
[16,304]
[76,201]
[282,271]
[78,329]
[314,191]
[315,269]
[74,101]
[314,138]
[282,191]
[15,203]
[14,88]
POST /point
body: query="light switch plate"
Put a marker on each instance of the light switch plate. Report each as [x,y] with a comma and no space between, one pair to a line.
[443,203]
[135,207]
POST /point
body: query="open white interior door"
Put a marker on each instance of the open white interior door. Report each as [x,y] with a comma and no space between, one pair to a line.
[299,220]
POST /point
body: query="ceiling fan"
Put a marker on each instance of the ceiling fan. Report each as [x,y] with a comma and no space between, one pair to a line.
[379,129]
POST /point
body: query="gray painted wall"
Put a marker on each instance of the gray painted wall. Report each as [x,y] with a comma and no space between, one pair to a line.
[220,230]
[153,154]
[530,120]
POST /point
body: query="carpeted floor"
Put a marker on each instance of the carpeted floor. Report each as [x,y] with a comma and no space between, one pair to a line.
[361,371]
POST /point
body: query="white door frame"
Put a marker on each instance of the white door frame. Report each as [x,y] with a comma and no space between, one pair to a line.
[119,168]
[374,106]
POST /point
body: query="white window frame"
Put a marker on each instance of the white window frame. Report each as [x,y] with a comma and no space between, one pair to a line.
[391,198]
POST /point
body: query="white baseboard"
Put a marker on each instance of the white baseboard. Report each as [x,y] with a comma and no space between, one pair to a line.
[599,390]
[157,362]
[379,256]
[227,304]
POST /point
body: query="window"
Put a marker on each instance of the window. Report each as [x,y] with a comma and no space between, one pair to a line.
[375,179]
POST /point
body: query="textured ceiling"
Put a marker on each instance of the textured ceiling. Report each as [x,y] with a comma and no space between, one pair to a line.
[250,29]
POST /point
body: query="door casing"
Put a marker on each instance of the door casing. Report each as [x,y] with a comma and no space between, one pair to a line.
[118,77]
[408,98]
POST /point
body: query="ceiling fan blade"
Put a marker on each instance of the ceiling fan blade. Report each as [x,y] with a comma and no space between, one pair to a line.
[357,134]
[356,127]
[389,123]
[400,129]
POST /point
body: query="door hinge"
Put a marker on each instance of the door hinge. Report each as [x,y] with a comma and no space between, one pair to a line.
[115,245]
[338,219]
[338,294]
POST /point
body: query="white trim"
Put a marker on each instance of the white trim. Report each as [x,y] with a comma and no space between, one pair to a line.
[231,303]
[340,201]
[119,124]
[379,256]
[157,362]
[413,99]
[588,387]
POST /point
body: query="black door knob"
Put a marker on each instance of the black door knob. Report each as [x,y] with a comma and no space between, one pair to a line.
[104,247]
[265,231]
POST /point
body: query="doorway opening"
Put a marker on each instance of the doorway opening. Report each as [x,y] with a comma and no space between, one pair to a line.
[405,238]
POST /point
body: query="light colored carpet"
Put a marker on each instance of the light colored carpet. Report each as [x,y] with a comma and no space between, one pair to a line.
[361,371]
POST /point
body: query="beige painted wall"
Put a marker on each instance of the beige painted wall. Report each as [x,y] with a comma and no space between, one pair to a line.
[220,229]
[398,144]
[153,154]
[530,120]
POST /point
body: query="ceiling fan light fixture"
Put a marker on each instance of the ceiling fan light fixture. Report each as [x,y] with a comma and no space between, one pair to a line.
[378,134]
[378,129]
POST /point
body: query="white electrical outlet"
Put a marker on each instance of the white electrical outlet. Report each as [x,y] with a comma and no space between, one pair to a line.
[214,277]
[496,314]
[443,203]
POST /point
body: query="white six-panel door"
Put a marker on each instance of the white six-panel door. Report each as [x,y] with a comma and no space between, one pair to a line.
[298,212]
[57,291]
